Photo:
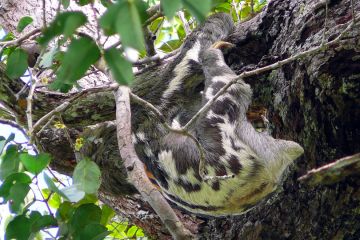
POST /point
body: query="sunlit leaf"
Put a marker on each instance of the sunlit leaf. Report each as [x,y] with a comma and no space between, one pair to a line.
[171,45]
[131,232]
[16,63]
[23,23]
[55,200]
[119,67]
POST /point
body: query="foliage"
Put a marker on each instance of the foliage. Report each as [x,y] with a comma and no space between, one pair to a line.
[77,211]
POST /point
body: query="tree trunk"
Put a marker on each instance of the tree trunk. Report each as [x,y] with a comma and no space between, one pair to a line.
[313,101]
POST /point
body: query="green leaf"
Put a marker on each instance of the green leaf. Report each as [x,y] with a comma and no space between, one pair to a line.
[107,213]
[65,211]
[35,164]
[119,67]
[140,233]
[4,141]
[73,193]
[87,176]
[42,222]
[65,23]
[198,10]
[10,181]
[93,231]
[81,54]
[171,45]
[16,63]
[22,226]
[106,3]
[10,162]
[131,232]
[23,23]
[84,2]
[84,215]
[55,200]
[170,7]
[65,3]
[48,57]
[19,228]
[51,185]
[125,19]
[17,196]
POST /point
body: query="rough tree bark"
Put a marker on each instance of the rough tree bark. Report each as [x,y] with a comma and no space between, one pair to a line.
[314,101]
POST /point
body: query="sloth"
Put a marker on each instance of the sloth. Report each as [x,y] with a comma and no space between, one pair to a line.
[256,161]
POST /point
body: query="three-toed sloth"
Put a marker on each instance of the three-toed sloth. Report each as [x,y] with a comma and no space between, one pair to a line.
[232,146]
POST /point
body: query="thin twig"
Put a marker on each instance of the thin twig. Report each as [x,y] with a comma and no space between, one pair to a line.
[44,13]
[34,81]
[19,40]
[45,126]
[45,201]
[154,58]
[55,177]
[258,71]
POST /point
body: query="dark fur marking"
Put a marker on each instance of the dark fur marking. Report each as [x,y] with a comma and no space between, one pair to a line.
[216,186]
[192,206]
[254,169]
[188,187]
[217,86]
[235,165]
[257,191]
[211,140]
[227,106]
[220,170]
[214,120]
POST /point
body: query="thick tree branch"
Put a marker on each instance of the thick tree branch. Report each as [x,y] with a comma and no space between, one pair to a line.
[136,170]
[333,172]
